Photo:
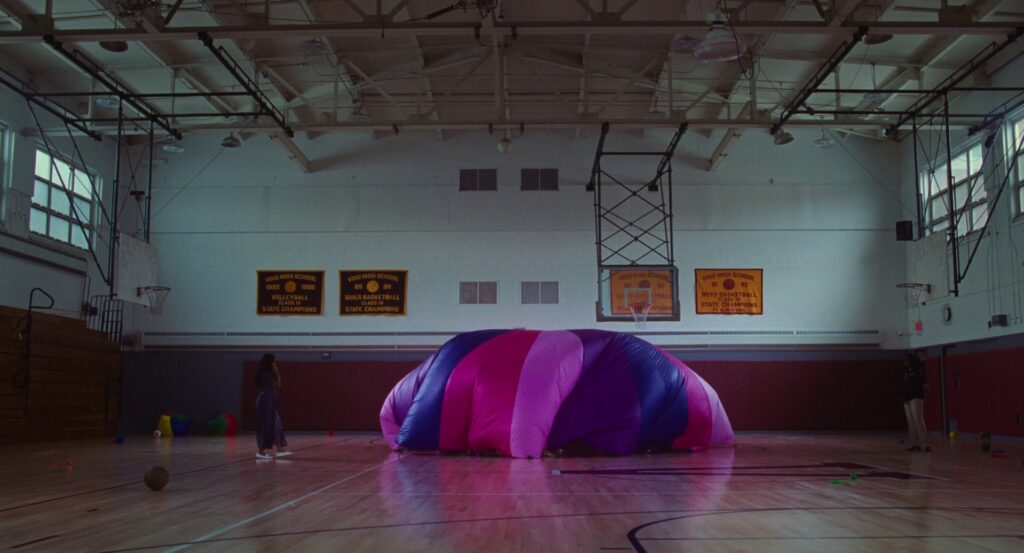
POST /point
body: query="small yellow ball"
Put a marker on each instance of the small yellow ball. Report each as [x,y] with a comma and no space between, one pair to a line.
[952,434]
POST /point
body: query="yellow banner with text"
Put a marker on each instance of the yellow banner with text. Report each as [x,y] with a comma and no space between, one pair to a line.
[729,291]
[295,293]
[380,292]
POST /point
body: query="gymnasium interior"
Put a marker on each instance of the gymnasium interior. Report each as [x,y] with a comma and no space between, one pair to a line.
[439,215]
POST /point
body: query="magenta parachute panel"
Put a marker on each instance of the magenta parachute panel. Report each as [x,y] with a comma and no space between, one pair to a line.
[519,392]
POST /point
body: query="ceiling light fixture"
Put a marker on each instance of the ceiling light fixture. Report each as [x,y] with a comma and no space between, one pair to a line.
[875,95]
[173,148]
[685,44]
[313,47]
[720,44]
[824,142]
[110,102]
[358,114]
[116,46]
[872,39]
[505,145]
[230,141]
[782,137]
[656,115]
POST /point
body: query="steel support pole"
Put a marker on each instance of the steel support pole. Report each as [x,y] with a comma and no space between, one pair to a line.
[917,184]
[115,190]
[954,242]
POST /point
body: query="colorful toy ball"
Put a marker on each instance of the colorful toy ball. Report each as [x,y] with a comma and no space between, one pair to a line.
[157,478]
[157,433]
[119,439]
[180,424]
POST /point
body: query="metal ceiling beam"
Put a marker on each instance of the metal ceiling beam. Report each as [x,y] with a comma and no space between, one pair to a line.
[567,123]
[750,109]
[283,138]
[261,99]
[505,28]
[819,77]
[956,78]
[93,69]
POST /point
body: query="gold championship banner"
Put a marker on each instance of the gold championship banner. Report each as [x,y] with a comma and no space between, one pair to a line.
[652,286]
[290,293]
[373,292]
[729,291]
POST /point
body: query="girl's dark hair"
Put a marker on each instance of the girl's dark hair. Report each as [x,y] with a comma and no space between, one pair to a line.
[265,370]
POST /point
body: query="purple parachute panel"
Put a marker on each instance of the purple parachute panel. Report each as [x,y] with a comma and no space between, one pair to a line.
[519,392]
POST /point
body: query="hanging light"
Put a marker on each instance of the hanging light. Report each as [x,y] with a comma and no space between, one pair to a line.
[358,113]
[877,38]
[875,95]
[230,141]
[109,102]
[824,142]
[685,44]
[872,39]
[782,137]
[505,145]
[116,46]
[656,114]
[720,44]
[313,47]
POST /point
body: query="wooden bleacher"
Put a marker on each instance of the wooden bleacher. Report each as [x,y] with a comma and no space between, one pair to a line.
[74,384]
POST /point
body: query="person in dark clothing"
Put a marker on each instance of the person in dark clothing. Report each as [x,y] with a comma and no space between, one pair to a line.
[913,384]
[269,430]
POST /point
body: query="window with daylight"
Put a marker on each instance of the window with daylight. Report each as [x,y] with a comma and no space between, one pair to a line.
[1018,170]
[62,201]
[970,208]
[478,292]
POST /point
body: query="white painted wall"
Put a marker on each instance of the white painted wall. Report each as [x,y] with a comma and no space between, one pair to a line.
[994,283]
[28,260]
[815,220]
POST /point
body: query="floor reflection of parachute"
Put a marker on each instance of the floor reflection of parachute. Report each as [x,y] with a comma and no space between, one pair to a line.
[519,392]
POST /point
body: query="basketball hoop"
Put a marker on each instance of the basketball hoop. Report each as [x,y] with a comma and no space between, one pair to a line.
[640,311]
[915,293]
[156,296]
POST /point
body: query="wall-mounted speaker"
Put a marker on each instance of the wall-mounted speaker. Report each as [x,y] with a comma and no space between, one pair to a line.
[904,231]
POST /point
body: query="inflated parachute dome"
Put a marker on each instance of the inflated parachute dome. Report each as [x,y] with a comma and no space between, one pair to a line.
[519,392]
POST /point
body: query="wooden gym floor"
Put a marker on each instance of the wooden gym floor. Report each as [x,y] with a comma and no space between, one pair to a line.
[773,492]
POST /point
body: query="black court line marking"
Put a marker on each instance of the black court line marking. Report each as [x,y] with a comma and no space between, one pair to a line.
[740,471]
[799,538]
[690,514]
[135,482]
[34,541]
[639,548]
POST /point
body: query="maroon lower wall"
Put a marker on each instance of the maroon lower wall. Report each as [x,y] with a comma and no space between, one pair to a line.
[807,395]
[758,395]
[984,391]
[317,395]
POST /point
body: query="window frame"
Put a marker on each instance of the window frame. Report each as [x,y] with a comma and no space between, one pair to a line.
[1017,171]
[538,180]
[466,186]
[935,194]
[71,195]
[538,286]
[476,285]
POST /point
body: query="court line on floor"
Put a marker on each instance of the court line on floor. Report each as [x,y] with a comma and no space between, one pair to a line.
[634,541]
[268,512]
[690,513]
[136,482]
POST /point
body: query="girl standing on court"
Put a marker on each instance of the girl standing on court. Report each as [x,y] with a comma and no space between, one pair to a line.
[269,430]
[913,385]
